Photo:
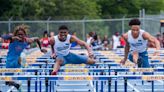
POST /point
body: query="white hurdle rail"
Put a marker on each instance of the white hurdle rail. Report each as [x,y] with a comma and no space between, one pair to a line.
[49,79]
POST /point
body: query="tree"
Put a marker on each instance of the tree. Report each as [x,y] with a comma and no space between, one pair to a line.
[38,9]
[77,9]
[120,8]
[153,6]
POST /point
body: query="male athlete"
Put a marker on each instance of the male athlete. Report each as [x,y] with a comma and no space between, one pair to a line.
[61,44]
[137,44]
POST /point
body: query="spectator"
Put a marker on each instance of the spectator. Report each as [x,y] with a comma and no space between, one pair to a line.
[45,39]
[74,44]
[115,40]
[0,42]
[122,42]
[105,43]
[52,34]
[90,38]
[5,41]
[163,39]
[94,41]
[158,36]
[99,40]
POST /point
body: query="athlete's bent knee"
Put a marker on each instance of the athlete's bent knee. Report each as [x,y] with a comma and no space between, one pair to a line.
[91,61]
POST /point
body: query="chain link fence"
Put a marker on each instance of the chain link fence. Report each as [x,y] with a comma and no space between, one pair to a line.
[82,27]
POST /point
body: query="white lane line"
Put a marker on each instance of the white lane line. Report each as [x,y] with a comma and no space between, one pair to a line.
[161,81]
[91,83]
[11,89]
[130,85]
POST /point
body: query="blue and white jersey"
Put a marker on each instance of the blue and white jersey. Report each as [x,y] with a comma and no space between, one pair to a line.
[62,48]
[137,44]
[15,49]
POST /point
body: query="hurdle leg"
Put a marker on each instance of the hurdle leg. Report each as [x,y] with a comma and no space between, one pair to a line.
[96,86]
[53,86]
[115,83]
[142,82]
[102,86]
[102,82]
[125,85]
[46,83]
[50,85]
[152,85]
[109,81]
[109,85]
[40,83]
[36,86]
[28,85]
[40,86]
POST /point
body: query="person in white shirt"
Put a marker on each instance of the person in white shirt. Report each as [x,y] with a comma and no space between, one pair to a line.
[61,45]
[136,45]
[115,40]
[90,39]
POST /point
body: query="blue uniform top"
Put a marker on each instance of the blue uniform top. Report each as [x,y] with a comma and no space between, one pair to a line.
[15,49]
[73,44]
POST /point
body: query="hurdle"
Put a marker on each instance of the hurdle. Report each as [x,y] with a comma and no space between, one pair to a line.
[97,64]
[82,78]
[40,70]
[46,63]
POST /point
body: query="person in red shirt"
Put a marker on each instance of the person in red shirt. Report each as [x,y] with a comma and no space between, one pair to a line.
[122,42]
[5,41]
[45,39]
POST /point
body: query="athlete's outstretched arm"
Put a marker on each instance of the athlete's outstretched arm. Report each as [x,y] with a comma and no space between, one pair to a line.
[152,40]
[127,47]
[82,43]
[36,39]
[52,42]
[11,38]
